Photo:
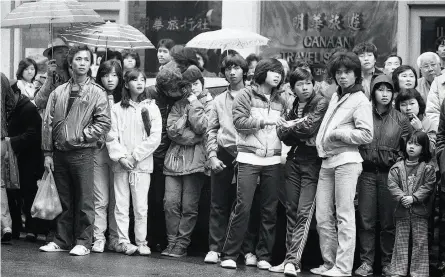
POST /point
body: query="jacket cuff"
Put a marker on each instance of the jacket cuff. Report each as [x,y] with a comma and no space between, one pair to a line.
[212,154]
[14,141]
[415,199]
[48,154]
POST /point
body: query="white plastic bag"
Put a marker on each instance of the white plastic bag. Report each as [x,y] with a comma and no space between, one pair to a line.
[46,205]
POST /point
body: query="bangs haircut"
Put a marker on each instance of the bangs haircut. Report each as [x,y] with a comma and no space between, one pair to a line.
[234,60]
[399,70]
[266,65]
[24,64]
[423,140]
[129,76]
[167,43]
[350,61]
[393,56]
[106,68]
[134,55]
[377,86]
[409,94]
[365,47]
[300,74]
[439,41]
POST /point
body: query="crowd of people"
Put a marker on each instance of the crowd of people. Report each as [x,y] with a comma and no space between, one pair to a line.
[364,156]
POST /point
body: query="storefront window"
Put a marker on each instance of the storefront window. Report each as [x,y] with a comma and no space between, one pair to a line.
[431,29]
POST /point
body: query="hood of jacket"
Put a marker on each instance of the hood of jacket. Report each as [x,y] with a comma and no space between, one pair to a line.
[378,80]
[352,89]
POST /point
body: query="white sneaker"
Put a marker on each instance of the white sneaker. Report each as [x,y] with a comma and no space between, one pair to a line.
[212,257]
[144,250]
[79,250]
[231,264]
[126,248]
[250,259]
[289,270]
[263,265]
[278,268]
[320,270]
[98,246]
[335,272]
[51,247]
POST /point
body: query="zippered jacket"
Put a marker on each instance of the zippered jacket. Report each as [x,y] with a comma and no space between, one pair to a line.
[86,122]
[250,109]
[186,127]
[299,134]
[220,130]
[346,124]
[129,137]
[422,191]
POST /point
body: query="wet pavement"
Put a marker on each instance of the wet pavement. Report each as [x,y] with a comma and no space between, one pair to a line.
[22,258]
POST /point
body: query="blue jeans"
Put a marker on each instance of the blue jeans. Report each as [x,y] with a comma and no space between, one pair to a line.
[73,174]
[181,202]
[335,211]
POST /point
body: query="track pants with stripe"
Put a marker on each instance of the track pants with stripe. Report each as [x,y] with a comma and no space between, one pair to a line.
[301,178]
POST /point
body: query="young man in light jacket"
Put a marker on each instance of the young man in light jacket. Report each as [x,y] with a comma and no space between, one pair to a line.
[346,125]
[257,110]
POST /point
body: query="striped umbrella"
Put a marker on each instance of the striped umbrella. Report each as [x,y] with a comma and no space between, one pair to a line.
[108,35]
[49,12]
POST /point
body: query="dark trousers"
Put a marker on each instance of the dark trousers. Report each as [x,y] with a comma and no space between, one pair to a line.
[375,203]
[157,235]
[301,178]
[222,194]
[442,221]
[73,174]
[247,183]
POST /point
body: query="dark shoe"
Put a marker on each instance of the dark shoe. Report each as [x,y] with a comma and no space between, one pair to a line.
[167,250]
[7,235]
[178,252]
[31,237]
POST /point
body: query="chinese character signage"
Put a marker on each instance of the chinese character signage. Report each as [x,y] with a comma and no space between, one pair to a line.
[311,30]
[177,20]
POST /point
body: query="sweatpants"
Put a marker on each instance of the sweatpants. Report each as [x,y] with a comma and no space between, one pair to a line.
[247,183]
[135,185]
[301,180]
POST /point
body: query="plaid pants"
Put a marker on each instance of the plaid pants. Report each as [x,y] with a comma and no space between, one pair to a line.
[419,258]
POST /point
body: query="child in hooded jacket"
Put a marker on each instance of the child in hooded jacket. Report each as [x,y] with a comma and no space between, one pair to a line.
[135,134]
[411,183]
[185,161]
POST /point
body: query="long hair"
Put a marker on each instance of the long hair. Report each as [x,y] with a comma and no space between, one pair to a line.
[265,66]
[399,70]
[106,68]
[23,64]
[423,140]
[129,76]
[135,55]
[411,93]
[350,61]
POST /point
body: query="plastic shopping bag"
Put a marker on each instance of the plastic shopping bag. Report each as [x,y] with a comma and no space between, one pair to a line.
[46,205]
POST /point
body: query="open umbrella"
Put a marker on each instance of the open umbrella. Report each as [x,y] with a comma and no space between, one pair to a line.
[49,12]
[227,39]
[108,35]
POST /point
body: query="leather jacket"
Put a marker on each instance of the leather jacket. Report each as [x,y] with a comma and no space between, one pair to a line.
[87,120]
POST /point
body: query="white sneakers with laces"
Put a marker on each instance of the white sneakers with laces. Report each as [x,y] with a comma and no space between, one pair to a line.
[144,250]
[230,264]
[250,259]
[98,246]
[51,247]
[264,265]
[79,250]
[212,257]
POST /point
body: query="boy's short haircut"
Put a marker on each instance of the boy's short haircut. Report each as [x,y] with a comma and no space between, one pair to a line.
[167,43]
[394,56]
[234,60]
[350,61]
[365,47]
[300,74]
[266,65]
[439,41]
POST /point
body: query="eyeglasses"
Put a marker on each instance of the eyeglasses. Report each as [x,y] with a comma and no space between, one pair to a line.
[427,66]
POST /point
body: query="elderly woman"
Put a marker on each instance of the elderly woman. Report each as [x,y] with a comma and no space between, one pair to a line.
[429,65]
[346,125]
